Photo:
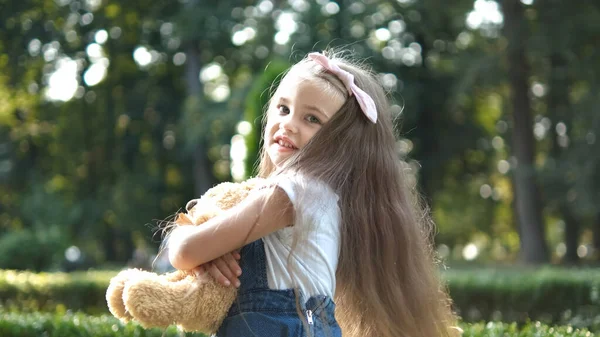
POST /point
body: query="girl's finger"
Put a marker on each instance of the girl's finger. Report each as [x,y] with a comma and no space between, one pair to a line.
[233,264]
[219,277]
[223,266]
[199,271]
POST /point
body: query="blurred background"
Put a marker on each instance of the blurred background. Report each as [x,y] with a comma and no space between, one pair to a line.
[113,114]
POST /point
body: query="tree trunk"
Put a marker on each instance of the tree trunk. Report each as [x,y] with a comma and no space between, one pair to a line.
[426,126]
[571,235]
[558,111]
[528,208]
[596,237]
[558,102]
[203,178]
[108,243]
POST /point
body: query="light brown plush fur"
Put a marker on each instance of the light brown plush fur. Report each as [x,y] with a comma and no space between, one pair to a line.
[179,298]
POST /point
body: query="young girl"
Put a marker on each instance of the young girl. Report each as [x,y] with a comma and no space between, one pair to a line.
[335,220]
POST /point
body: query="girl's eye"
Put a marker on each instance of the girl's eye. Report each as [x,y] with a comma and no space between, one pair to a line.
[313,119]
[283,109]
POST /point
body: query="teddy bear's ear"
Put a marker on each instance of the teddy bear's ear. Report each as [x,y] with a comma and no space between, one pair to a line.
[191,205]
[183,219]
[252,183]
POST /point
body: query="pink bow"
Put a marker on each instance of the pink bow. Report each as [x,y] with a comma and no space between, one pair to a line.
[364,100]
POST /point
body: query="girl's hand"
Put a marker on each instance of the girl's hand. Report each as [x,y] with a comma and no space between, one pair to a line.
[224,269]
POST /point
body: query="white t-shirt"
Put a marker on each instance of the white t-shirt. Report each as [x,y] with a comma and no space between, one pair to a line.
[314,258]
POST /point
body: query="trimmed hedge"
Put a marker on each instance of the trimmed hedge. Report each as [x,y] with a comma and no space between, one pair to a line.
[550,295]
[80,325]
[537,329]
[79,291]
[70,324]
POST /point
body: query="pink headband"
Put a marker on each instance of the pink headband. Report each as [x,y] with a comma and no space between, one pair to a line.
[364,100]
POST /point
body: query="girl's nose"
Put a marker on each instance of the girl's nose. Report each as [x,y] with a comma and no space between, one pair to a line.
[289,123]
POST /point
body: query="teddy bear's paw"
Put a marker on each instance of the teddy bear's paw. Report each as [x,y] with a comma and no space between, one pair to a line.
[207,307]
[114,294]
[153,302]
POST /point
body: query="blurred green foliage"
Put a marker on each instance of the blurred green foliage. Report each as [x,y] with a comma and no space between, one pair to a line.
[78,324]
[550,295]
[31,292]
[32,250]
[499,329]
[114,114]
[557,295]
[67,324]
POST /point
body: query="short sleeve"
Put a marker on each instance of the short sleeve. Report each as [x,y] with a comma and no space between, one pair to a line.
[309,248]
[311,198]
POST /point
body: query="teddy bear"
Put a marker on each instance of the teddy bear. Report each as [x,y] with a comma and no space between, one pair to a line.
[180,298]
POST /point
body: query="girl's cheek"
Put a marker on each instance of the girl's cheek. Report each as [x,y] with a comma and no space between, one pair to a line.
[269,126]
[272,119]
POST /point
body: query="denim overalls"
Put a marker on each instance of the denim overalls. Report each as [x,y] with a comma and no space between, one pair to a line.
[262,312]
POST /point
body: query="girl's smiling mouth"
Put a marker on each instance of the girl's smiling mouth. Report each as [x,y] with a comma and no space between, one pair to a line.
[285,144]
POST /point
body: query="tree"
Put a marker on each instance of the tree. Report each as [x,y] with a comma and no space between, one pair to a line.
[528,206]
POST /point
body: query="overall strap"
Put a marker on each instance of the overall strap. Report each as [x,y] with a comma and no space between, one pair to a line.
[254,267]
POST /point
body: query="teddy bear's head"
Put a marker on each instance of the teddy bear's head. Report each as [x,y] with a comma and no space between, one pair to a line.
[216,200]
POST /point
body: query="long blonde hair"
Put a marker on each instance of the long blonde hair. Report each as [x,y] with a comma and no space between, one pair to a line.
[387,276]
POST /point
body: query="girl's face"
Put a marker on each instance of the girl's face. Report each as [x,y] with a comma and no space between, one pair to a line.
[297,111]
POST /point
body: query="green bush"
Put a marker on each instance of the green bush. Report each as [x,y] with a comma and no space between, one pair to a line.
[537,329]
[31,250]
[69,324]
[78,291]
[553,295]
[77,324]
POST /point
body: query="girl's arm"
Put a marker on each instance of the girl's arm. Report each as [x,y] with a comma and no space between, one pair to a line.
[260,214]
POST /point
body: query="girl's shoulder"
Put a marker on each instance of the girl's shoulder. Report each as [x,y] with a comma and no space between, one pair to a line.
[302,188]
